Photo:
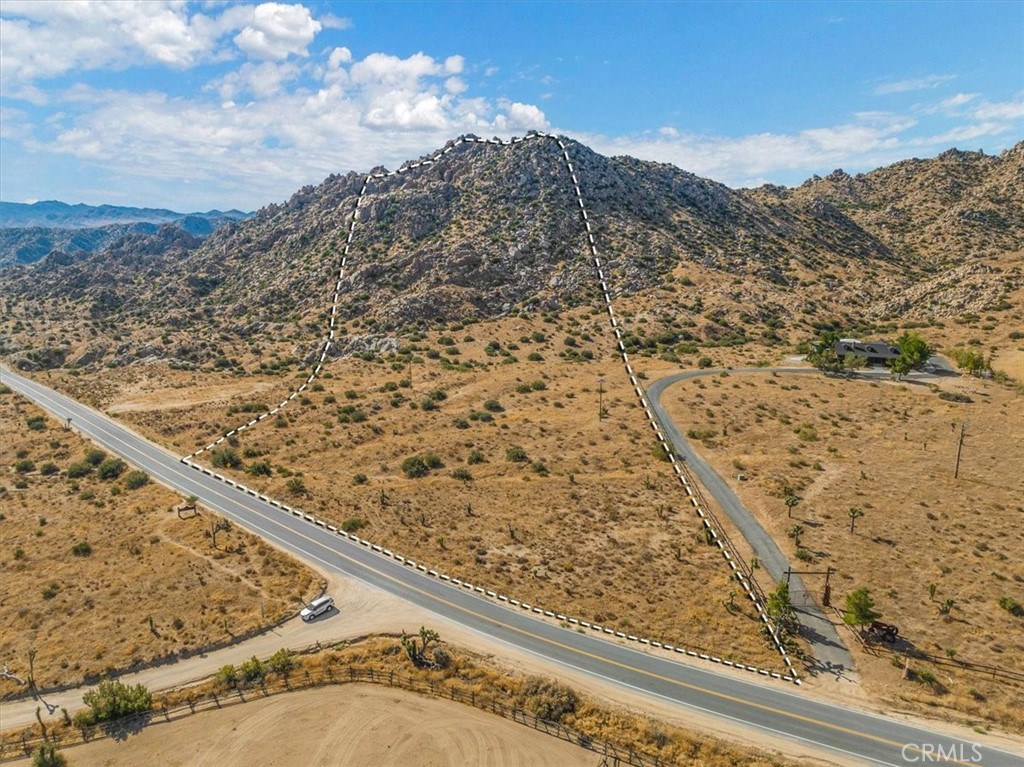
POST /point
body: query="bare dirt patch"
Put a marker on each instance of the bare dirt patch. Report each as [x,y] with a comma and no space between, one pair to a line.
[343,726]
[96,575]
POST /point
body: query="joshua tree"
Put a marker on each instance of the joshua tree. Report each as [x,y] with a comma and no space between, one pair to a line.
[791,499]
[853,514]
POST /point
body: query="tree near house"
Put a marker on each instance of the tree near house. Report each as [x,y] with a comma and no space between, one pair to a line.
[914,353]
[824,356]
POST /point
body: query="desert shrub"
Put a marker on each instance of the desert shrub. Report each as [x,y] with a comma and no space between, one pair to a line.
[135,479]
[548,699]
[354,524]
[428,404]
[228,675]
[112,699]
[37,422]
[79,469]
[1012,606]
[538,385]
[539,467]
[46,755]
[493,406]
[414,466]
[523,388]
[360,479]
[50,591]
[82,549]
[806,433]
[24,466]
[253,670]
[954,396]
[260,469]
[111,468]
[254,407]
[460,423]
[659,451]
[475,456]
[281,662]
[432,461]
[48,469]
[296,486]
[225,457]
[702,434]
[515,454]
[705,362]
[95,457]
[535,357]
[461,474]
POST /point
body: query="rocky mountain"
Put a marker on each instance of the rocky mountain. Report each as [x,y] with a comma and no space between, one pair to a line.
[492,230]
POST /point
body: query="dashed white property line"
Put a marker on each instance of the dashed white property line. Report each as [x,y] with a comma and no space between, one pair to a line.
[634,380]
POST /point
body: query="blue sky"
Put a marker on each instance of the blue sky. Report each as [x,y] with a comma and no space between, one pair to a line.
[199,105]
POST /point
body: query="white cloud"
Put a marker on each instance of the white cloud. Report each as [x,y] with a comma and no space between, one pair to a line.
[870,140]
[912,84]
[278,31]
[957,101]
[262,80]
[330,21]
[47,39]
[453,64]
[267,127]
[382,69]
[338,57]
[455,85]
[1002,110]
[525,116]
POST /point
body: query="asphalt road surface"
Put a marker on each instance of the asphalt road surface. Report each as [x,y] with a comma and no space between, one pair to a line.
[778,708]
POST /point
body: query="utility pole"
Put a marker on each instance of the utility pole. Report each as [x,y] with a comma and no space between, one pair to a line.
[959,448]
[600,399]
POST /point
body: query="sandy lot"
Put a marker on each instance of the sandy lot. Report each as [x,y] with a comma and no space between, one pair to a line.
[338,726]
[150,585]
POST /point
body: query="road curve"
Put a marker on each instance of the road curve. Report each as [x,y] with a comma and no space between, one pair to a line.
[828,648]
[777,709]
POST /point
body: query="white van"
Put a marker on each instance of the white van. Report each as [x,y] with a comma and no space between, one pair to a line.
[318,606]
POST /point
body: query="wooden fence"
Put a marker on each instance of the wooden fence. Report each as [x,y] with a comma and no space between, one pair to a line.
[613,755]
[879,649]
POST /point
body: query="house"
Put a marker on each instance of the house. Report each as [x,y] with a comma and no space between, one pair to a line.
[875,352]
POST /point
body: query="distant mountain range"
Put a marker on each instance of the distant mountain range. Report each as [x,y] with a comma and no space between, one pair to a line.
[29,233]
[54,214]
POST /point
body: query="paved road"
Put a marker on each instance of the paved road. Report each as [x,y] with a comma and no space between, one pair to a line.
[827,647]
[780,709]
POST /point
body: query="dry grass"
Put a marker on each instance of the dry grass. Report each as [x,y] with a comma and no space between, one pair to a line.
[634,562]
[472,673]
[888,450]
[150,586]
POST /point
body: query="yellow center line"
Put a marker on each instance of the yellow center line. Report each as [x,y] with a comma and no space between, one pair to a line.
[524,632]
